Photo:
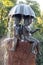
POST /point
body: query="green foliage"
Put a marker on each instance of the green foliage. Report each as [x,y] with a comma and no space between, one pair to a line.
[35,6]
[2,29]
[39,35]
[5,6]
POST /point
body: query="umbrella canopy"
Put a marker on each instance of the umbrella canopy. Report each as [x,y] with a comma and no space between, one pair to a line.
[22,9]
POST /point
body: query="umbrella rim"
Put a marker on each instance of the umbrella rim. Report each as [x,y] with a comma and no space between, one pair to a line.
[20,13]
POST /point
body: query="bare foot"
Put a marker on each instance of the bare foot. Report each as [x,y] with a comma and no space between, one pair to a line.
[34,52]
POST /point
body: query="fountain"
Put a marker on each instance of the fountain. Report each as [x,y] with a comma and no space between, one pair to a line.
[22,55]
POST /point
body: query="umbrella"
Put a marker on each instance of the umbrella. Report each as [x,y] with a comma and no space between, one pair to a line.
[22,9]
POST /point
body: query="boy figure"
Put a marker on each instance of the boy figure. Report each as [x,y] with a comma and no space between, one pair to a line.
[32,40]
[16,32]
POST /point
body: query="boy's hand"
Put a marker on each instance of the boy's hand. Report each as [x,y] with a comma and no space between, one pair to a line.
[38,29]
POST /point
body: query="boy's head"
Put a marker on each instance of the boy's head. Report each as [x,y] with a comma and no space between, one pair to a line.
[28,20]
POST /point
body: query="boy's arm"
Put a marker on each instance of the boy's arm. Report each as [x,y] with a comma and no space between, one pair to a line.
[32,32]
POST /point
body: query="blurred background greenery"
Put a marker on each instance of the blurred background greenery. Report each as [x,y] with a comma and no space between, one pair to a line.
[6,5]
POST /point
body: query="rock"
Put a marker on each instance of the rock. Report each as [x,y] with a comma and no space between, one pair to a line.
[22,55]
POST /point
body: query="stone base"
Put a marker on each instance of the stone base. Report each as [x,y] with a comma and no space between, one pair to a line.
[22,55]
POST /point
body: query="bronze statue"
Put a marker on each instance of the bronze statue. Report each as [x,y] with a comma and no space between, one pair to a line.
[22,32]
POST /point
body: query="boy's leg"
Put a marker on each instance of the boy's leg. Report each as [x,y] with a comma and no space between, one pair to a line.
[33,48]
[36,45]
